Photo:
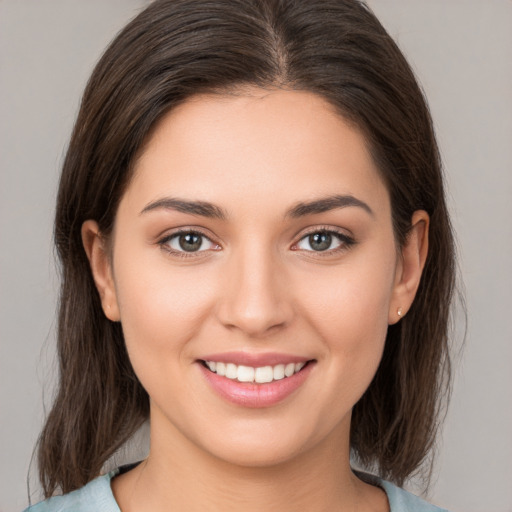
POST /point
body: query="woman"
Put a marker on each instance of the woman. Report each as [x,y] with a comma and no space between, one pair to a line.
[257,258]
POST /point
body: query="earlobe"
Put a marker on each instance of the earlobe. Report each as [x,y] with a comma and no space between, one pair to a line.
[410,268]
[101,268]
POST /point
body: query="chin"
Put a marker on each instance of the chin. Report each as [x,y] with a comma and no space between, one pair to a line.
[257,454]
[260,444]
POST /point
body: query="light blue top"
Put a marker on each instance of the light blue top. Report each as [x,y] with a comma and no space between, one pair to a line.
[97,496]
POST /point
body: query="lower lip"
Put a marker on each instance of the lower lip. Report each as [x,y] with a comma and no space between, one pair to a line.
[253,395]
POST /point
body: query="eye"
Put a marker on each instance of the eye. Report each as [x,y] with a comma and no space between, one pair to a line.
[323,241]
[187,242]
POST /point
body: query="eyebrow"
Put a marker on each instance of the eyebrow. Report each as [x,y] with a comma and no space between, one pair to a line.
[326,204]
[201,208]
[302,209]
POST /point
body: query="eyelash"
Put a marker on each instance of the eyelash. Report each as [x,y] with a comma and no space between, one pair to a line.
[345,242]
[164,243]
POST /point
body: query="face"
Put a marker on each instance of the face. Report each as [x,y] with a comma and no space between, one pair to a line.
[255,239]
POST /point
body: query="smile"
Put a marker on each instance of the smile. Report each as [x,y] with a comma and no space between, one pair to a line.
[259,375]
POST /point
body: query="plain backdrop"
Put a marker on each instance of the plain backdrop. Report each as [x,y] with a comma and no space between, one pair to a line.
[461,51]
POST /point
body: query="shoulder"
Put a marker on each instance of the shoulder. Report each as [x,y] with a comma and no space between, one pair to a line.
[399,499]
[403,501]
[96,496]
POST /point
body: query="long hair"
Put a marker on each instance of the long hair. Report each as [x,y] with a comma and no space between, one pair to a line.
[171,51]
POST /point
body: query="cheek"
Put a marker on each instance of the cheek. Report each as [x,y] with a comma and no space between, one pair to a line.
[352,299]
[161,309]
[348,309]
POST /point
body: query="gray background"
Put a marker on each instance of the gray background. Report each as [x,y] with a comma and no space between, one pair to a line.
[462,53]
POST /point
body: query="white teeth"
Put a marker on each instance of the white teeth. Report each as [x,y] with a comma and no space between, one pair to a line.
[279,372]
[261,375]
[264,374]
[245,374]
[289,369]
[231,371]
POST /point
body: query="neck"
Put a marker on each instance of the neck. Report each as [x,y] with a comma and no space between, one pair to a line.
[179,475]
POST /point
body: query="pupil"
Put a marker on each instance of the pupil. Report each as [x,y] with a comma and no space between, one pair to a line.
[320,241]
[190,242]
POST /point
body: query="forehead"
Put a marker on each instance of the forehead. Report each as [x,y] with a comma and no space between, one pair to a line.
[259,145]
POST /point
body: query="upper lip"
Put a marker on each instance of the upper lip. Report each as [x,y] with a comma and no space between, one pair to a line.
[255,360]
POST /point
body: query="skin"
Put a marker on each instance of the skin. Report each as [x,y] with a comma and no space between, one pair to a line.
[257,285]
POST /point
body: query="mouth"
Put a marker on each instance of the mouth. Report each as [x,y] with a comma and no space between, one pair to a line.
[255,380]
[255,375]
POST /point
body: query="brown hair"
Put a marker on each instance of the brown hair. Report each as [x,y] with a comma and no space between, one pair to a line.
[169,52]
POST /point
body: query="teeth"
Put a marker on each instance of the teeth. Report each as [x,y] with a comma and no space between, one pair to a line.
[231,371]
[289,369]
[279,372]
[245,374]
[264,374]
[221,369]
[259,375]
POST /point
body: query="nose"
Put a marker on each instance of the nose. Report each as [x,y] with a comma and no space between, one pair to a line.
[255,299]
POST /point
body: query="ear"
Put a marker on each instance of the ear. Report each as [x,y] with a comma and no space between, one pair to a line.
[94,245]
[410,267]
